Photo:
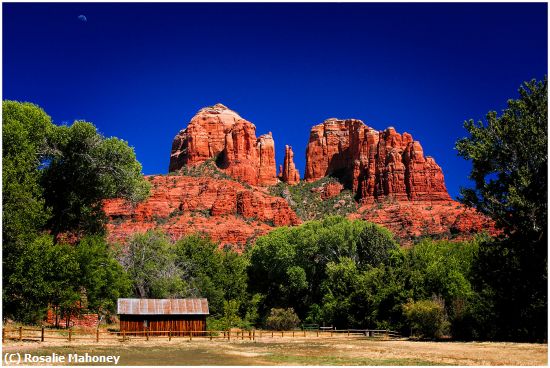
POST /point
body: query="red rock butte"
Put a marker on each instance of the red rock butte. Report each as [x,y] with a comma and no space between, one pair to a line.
[219,133]
[375,165]
[220,174]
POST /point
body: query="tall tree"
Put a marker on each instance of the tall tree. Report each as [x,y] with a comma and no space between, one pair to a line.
[54,179]
[150,261]
[510,161]
[25,128]
[82,169]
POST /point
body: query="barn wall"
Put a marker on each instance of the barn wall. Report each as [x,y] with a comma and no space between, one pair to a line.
[178,324]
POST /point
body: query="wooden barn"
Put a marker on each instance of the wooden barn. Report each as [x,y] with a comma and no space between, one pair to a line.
[180,316]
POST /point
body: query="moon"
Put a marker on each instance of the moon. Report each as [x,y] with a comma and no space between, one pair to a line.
[82,18]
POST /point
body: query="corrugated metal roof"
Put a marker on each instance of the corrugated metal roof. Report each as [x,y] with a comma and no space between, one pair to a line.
[162,306]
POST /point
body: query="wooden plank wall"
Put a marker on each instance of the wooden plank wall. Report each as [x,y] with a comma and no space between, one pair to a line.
[180,325]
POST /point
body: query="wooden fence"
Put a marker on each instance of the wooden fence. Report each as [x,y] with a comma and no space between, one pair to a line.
[44,334]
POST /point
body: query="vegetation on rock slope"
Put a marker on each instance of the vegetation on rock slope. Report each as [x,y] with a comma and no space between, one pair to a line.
[308,204]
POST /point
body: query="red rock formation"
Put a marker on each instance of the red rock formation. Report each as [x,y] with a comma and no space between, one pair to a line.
[288,172]
[374,164]
[181,205]
[443,219]
[218,132]
[329,190]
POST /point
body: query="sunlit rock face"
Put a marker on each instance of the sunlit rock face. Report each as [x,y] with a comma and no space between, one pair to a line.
[219,133]
[375,165]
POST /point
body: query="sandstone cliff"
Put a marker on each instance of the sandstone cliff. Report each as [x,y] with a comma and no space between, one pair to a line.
[219,133]
[375,165]
[224,209]
[383,177]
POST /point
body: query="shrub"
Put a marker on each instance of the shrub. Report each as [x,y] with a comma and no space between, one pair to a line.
[282,319]
[427,317]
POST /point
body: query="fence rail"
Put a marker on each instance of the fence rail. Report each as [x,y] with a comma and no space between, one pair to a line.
[43,334]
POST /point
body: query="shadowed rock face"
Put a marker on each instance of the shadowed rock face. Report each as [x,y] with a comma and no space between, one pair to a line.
[219,133]
[375,165]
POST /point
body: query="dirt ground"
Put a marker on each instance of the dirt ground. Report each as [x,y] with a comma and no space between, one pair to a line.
[295,351]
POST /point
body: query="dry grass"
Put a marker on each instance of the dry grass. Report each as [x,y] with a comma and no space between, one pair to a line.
[298,351]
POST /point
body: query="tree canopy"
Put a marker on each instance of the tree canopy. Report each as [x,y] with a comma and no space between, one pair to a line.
[54,181]
[509,162]
[509,168]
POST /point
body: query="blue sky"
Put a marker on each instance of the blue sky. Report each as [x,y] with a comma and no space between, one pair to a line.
[141,71]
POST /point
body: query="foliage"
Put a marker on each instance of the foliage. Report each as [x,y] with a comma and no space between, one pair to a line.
[307,203]
[24,130]
[101,277]
[54,180]
[509,162]
[150,261]
[509,167]
[216,274]
[427,317]
[44,274]
[81,170]
[282,319]
[297,267]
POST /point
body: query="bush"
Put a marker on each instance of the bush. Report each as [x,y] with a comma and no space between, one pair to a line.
[282,319]
[427,318]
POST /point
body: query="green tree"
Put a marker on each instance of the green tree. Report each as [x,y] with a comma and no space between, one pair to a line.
[427,318]
[213,273]
[150,261]
[45,274]
[101,277]
[509,169]
[25,128]
[81,170]
[282,319]
[509,162]
[375,245]
[290,266]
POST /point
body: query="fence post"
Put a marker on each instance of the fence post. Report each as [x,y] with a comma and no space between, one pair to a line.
[41,334]
[304,333]
[282,334]
[271,334]
[229,335]
[348,333]
[317,333]
[147,333]
[249,334]
[191,336]
[210,333]
[242,335]
[70,334]
[330,333]
[123,335]
[292,333]
[97,335]
[254,335]
[3,334]
[20,333]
